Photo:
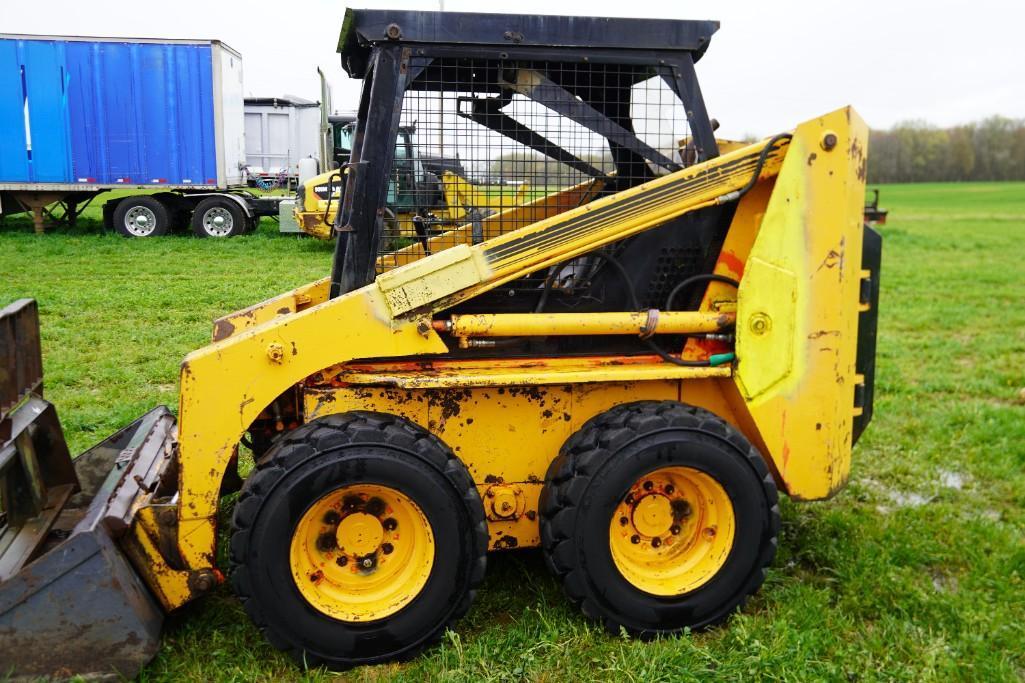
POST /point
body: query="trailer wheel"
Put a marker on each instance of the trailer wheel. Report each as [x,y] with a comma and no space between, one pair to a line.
[142,216]
[659,516]
[358,540]
[219,217]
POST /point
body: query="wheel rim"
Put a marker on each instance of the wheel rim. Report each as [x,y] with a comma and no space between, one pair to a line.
[218,221]
[672,531]
[362,553]
[140,221]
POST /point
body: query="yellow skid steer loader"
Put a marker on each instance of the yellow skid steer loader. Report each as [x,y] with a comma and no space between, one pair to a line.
[623,367]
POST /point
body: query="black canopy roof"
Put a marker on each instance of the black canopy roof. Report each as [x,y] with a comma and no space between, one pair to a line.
[364,28]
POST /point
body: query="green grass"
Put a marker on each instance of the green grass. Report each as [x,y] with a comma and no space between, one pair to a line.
[915,572]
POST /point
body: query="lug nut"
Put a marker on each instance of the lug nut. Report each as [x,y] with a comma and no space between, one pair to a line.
[670,489]
[326,542]
[623,521]
[675,530]
[681,509]
[331,518]
[635,539]
[342,560]
[368,563]
[656,542]
[375,506]
[387,548]
[390,524]
[629,500]
[648,486]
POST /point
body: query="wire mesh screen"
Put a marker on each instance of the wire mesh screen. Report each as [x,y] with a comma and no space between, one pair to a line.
[487,146]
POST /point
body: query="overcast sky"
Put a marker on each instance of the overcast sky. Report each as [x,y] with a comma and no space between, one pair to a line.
[771,65]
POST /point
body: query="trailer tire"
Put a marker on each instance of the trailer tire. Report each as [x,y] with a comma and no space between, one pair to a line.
[142,216]
[688,507]
[219,217]
[340,491]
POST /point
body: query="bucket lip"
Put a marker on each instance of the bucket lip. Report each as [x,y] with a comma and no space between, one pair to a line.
[141,446]
[142,453]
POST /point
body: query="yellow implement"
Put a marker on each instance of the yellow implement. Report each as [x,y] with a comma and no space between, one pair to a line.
[624,362]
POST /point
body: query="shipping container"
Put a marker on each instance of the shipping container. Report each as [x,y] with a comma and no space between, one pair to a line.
[280,131]
[82,115]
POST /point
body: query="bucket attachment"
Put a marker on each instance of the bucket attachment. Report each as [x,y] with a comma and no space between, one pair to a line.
[70,601]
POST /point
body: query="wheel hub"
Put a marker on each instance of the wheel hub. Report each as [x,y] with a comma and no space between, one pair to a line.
[362,552]
[672,531]
[218,221]
[653,515]
[140,221]
[359,533]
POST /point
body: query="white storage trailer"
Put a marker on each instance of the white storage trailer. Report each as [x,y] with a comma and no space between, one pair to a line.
[280,132]
[80,116]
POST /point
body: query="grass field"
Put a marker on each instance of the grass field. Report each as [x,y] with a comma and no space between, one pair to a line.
[915,572]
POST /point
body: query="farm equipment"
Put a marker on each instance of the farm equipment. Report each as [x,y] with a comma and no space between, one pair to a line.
[426,195]
[873,214]
[623,367]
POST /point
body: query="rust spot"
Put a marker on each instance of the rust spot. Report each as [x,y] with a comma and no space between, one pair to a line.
[506,542]
[492,479]
[731,261]
[223,329]
[295,351]
[812,157]
[531,515]
[857,155]
[284,310]
[818,334]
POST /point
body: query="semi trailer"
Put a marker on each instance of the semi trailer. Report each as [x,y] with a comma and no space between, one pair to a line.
[163,118]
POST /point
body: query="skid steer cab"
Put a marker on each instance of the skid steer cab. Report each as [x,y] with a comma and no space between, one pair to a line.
[644,341]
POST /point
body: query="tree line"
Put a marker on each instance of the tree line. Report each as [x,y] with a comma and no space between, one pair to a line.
[915,151]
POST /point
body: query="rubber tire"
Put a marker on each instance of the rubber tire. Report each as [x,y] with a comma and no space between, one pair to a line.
[316,458]
[161,213]
[239,218]
[591,475]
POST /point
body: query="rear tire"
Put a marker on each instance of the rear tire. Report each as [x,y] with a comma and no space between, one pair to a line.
[219,217]
[142,216]
[659,516]
[302,533]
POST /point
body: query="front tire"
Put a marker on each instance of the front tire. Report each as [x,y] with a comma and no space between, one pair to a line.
[359,539]
[659,516]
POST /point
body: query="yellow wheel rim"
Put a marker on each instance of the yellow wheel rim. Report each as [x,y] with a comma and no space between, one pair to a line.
[362,552]
[672,531]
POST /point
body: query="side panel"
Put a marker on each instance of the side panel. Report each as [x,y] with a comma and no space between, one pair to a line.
[278,153]
[798,308]
[33,112]
[141,113]
[13,145]
[45,87]
[229,113]
[308,138]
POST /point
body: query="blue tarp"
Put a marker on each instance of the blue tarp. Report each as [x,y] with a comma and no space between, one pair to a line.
[99,112]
